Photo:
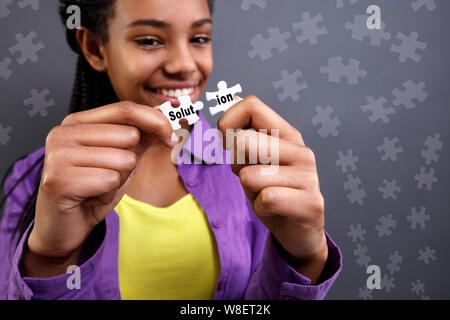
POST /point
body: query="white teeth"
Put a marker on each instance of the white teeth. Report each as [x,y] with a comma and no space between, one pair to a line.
[175,93]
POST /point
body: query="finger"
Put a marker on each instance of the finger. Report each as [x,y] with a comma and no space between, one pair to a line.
[151,122]
[95,135]
[255,179]
[100,200]
[253,113]
[252,147]
[237,98]
[123,161]
[84,182]
[109,197]
[299,205]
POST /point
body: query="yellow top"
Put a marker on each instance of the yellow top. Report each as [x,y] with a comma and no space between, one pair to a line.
[166,253]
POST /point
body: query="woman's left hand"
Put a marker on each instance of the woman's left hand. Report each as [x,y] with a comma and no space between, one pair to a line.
[287,199]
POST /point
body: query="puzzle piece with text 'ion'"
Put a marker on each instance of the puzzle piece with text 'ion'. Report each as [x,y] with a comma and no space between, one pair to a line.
[224,97]
[187,110]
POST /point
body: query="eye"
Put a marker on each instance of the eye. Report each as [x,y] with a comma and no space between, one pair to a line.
[201,40]
[148,42]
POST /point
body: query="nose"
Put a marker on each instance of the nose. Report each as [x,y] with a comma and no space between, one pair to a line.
[180,61]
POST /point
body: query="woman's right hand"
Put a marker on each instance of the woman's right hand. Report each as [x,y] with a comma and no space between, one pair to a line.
[89,162]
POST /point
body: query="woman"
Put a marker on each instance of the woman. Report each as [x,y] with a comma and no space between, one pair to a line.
[108,199]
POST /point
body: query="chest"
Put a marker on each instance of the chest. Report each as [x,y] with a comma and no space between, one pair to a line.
[164,253]
[218,192]
[158,187]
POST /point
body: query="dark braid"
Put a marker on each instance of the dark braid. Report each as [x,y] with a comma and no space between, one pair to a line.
[88,87]
[91,89]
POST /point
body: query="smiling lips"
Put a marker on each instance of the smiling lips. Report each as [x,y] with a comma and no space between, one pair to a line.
[175,93]
[172,91]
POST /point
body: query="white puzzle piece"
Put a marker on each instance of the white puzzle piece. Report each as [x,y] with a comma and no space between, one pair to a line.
[186,110]
[224,97]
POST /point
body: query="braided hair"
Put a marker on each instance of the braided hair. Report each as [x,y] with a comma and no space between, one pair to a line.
[91,89]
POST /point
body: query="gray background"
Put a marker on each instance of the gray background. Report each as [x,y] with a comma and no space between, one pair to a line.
[234,29]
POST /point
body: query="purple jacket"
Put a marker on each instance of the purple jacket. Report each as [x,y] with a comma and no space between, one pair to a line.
[251,265]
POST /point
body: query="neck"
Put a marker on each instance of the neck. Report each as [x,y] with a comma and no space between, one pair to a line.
[159,155]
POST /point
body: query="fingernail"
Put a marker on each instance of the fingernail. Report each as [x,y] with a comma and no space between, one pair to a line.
[174,139]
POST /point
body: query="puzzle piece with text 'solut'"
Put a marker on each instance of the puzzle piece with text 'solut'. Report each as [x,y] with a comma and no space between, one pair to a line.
[187,110]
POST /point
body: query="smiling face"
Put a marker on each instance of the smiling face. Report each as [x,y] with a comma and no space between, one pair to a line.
[158,50]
